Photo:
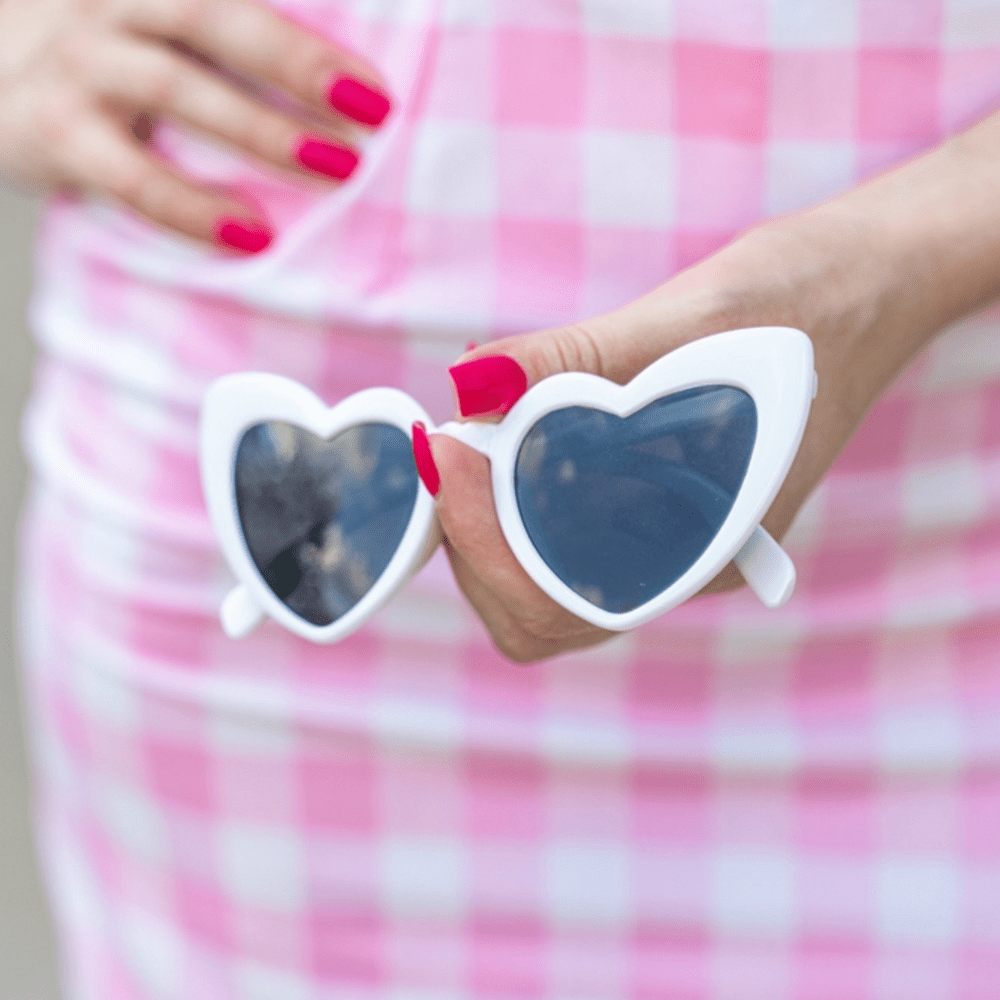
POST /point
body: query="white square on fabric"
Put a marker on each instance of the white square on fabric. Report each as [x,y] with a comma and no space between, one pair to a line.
[800,174]
[425,877]
[813,24]
[454,169]
[631,179]
[587,884]
[753,892]
[261,865]
[264,982]
[917,899]
[971,23]
[944,494]
[155,951]
[135,820]
[638,18]
[928,738]
[766,743]
[468,13]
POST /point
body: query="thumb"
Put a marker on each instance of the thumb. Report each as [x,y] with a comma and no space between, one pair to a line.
[617,346]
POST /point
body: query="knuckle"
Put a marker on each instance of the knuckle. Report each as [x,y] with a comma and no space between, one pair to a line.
[578,349]
[57,118]
[163,77]
[73,55]
[312,65]
[545,628]
[183,18]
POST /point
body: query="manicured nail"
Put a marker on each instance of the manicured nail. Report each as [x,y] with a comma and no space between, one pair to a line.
[425,460]
[326,158]
[352,98]
[470,346]
[250,237]
[488,385]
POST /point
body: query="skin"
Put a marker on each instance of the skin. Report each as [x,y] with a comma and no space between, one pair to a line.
[83,82]
[871,276]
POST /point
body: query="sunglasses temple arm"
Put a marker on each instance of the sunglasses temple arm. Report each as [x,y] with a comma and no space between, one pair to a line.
[477,436]
[766,568]
[240,613]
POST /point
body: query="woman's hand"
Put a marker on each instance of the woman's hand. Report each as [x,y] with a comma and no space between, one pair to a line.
[871,277]
[82,83]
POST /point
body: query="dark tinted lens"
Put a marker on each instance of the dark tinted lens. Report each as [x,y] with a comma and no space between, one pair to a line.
[321,518]
[620,509]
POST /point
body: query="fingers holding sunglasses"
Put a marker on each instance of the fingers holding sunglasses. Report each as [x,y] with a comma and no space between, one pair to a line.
[254,40]
[524,621]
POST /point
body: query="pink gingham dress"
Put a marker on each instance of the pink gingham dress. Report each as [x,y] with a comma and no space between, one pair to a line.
[728,803]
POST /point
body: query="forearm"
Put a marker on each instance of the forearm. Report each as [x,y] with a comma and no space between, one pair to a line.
[932,228]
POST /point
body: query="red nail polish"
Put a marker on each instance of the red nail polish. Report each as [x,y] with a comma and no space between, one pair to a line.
[488,385]
[250,237]
[425,460]
[470,346]
[352,98]
[326,158]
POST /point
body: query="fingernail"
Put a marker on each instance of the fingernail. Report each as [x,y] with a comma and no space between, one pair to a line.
[326,158]
[470,346]
[488,385]
[250,237]
[352,98]
[425,460]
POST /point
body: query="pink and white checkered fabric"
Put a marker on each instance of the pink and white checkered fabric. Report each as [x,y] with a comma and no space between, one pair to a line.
[729,803]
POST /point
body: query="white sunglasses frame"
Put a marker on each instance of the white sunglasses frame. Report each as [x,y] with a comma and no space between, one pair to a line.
[774,365]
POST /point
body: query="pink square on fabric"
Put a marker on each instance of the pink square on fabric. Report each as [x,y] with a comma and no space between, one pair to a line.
[624,264]
[836,810]
[945,425]
[465,54]
[831,967]
[832,676]
[720,184]
[901,23]
[722,91]
[898,95]
[919,816]
[880,441]
[505,796]
[989,430]
[507,957]
[695,244]
[204,912]
[338,791]
[630,84]
[979,815]
[813,95]
[970,87]
[846,583]
[541,268]
[675,965]
[346,946]
[540,77]
[539,173]
[671,805]
[255,788]
[181,775]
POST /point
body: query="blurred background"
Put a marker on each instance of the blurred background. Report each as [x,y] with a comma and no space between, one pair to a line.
[27,954]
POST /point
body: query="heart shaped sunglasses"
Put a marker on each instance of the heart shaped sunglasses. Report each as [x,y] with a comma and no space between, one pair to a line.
[619,501]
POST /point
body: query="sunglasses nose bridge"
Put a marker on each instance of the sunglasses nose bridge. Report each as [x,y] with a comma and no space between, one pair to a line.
[477,436]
